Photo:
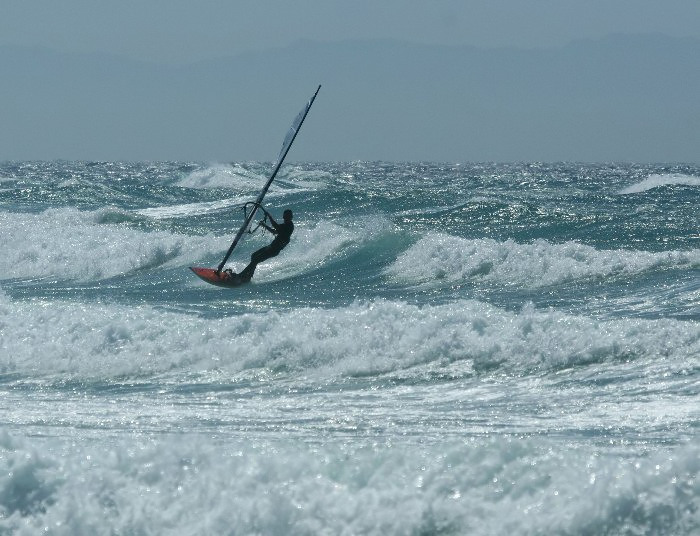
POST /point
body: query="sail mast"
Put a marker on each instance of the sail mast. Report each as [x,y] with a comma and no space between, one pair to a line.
[286,145]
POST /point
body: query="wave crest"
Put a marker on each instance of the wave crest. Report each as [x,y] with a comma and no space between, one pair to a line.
[70,244]
[537,264]
[373,338]
[656,181]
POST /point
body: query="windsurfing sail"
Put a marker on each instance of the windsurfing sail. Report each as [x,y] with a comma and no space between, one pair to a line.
[286,145]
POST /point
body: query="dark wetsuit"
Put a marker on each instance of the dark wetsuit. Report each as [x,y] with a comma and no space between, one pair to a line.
[284,232]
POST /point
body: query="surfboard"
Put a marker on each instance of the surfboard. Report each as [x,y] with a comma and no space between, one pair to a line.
[220,279]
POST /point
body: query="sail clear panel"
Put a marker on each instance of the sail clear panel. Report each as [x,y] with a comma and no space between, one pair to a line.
[292,131]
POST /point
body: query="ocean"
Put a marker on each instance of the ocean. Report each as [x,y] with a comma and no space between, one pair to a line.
[468,349]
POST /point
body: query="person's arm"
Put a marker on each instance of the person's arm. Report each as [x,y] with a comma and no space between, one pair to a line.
[275,226]
[273,231]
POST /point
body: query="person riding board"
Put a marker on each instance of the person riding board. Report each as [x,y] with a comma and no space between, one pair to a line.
[282,231]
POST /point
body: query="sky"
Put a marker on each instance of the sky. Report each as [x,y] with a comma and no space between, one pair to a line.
[180,33]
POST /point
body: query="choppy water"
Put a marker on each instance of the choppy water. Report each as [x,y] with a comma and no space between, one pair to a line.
[441,349]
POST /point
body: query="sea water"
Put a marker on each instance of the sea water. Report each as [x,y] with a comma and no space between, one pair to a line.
[477,349]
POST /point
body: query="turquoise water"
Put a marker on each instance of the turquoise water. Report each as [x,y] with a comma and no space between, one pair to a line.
[441,349]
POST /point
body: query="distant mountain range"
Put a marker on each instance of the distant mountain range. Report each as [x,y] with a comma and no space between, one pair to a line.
[624,98]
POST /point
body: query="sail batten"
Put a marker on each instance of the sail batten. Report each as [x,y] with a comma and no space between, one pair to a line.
[286,145]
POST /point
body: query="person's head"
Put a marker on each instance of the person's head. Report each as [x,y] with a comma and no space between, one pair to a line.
[287,215]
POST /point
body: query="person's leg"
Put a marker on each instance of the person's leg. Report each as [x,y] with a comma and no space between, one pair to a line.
[260,255]
[248,271]
[256,258]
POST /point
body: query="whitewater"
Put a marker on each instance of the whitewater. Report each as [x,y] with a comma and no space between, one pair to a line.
[482,349]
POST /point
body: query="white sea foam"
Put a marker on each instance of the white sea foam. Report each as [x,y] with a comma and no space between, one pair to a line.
[71,244]
[309,179]
[655,181]
[105,340]
[224,176]
[193,209]
[189,484]
[439,256]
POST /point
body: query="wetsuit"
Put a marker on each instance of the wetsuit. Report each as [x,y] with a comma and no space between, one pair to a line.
[284,232]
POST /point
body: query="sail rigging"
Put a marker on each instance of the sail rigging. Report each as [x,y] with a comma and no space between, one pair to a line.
[286,145]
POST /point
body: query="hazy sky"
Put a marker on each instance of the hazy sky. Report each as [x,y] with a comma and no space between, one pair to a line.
[522,95]
[178,31]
